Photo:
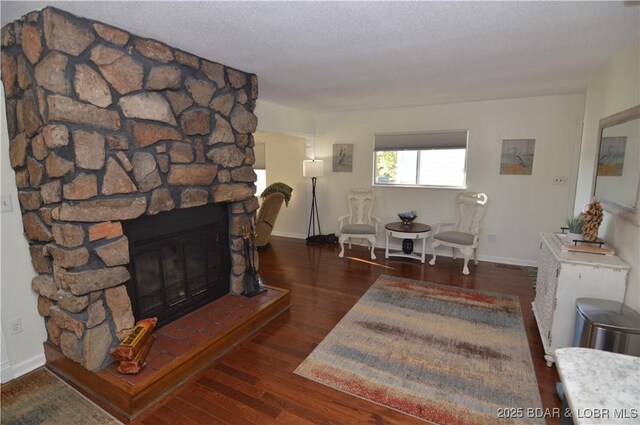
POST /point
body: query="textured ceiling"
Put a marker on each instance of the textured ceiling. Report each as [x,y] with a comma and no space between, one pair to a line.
[353,55]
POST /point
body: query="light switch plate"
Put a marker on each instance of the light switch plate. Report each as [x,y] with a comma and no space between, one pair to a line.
[7,205]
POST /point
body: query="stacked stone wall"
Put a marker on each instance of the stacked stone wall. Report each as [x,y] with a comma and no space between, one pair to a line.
[105,126]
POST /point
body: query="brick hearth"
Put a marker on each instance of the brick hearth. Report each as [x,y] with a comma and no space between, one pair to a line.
[183,348]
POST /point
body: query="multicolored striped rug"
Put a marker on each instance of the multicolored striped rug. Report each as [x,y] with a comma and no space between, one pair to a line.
[443,354]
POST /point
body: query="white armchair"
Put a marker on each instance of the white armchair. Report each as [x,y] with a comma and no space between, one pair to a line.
[359,223]
[464,235]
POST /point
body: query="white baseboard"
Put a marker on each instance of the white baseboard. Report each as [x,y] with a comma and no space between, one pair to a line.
[289,235]
[506,260]
[27,365]
[6,372]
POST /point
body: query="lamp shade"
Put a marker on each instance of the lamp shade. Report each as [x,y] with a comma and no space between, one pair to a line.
[312,168]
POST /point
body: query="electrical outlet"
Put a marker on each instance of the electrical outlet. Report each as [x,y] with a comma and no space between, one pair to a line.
[15,326]
[560,180]
[492,238]
[7,205]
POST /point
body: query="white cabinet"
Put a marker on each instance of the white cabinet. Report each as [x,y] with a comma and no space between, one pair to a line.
[562,278]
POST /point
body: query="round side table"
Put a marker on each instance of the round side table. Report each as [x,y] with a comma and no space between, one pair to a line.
[407,232]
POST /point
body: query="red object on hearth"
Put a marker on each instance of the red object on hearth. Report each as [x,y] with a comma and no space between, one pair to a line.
[138,363]
[136,340]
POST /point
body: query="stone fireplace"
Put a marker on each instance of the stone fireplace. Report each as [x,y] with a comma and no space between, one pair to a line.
[107,130]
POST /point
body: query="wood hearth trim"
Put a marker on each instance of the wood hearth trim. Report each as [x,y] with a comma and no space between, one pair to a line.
[126,401]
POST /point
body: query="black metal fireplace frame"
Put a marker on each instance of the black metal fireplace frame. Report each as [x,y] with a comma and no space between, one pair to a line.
[151,233]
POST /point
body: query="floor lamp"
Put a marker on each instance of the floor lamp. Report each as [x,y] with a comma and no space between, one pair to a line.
[313,168]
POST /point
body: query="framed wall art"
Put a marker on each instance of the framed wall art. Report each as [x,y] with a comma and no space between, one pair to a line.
[517,156]
[611,157]
[343,157]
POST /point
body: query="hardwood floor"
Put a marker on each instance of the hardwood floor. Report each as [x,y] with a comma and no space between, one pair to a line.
[255,384]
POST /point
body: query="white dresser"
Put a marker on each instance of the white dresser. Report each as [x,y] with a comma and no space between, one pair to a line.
[562,278]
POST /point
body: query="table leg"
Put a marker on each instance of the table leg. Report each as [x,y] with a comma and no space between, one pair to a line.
[424,248]
[386,249]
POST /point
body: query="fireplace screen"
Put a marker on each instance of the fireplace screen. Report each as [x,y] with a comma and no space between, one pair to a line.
[179,261]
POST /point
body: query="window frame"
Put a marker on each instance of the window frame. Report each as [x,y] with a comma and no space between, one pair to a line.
[416,148]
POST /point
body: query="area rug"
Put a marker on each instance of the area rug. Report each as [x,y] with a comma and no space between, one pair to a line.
[42,398]
[443,354]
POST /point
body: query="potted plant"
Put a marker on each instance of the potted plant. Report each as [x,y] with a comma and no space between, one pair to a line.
[575,226]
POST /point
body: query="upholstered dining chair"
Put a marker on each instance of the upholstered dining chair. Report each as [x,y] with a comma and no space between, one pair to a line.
[464,235]
[359,223]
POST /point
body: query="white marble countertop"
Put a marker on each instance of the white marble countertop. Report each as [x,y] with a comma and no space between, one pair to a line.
[601,387]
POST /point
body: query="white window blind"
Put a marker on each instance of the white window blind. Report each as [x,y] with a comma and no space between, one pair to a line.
[428,159]
[450,139]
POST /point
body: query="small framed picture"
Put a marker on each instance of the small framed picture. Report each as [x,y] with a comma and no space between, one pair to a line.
[517,156]
[343,157]
[611,157]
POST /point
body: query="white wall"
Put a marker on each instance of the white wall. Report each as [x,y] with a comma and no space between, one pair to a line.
[291,125]
[283,159]
[613,88]
[24,351]
[282,119]
[519,206]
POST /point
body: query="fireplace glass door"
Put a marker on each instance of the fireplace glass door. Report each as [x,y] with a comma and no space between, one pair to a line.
[179,261]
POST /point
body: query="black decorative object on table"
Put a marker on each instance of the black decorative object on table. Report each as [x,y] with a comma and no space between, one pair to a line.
[407,246]
[251,282]
[407,217]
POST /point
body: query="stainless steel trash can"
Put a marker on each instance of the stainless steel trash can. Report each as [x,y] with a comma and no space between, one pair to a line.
[607,325]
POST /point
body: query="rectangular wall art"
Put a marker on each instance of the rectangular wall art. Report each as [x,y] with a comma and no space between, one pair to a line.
[517,156]
[611,158]
[343,157]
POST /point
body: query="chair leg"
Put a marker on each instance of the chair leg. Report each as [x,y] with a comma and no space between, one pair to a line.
[372,241]
[432,262]
[475,256]
[467,254]
[453,253]
[341,240]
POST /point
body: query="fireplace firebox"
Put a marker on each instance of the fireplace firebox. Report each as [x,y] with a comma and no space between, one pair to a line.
[179,261]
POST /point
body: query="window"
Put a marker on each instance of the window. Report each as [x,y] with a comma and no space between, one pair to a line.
[261,183]
[435,159]
[260,167]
